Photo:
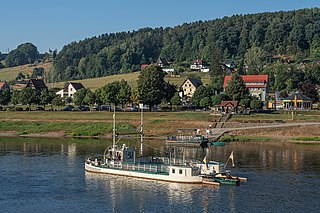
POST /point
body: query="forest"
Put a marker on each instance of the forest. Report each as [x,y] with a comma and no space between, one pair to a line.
[251,41]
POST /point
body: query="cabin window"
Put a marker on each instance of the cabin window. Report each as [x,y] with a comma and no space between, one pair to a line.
[173,171]
[180,171]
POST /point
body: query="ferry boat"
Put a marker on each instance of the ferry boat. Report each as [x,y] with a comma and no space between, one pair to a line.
[121,160]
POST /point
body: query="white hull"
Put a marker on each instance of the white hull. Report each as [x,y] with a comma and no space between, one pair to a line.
[144,175]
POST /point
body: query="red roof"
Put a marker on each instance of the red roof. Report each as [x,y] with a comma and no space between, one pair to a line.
[229,103]
[251,81]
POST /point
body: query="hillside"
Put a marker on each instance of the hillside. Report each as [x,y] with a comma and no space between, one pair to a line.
[293,33]
[131,78]
[10,73]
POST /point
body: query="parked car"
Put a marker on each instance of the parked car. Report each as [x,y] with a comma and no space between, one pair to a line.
[84,108]
[68,108]
[40,109]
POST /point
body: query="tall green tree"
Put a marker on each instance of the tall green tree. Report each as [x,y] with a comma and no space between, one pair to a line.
[151,85]
[24,54]
[236,88]
[255,59]
[216,72]
[79,96]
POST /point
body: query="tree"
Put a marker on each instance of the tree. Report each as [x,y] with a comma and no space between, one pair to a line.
[310,90]
[15,99]
[236,88]
[27,96]
[176,100]
[216,72]
[57,101]
[5,97]
[38,71]
[90,98]
[24,54]
[255,59]
[256,105]
[46,97]
[199,94]
[124,93]
[79,96]
[205,102]
[20,76]
[151,85]
[117,92]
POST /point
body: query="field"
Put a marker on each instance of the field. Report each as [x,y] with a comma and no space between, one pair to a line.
[8,74]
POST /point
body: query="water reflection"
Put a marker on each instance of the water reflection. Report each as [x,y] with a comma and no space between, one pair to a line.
[49,174]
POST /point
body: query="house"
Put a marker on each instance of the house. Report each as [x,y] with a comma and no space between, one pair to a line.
[258,85]
[276,101]
[199,65]
[4,85]
[229,106]
[297,101]
[228,66]
[189,86]
[162,62]
[70,89]
[143,66]
[37,84]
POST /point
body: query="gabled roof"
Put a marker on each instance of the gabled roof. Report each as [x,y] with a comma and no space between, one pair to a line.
[194,81]
[76,85]
[162,61]
[250,80]
[198,61]
[37,84]
[229,103]
[4,85]
[298,97]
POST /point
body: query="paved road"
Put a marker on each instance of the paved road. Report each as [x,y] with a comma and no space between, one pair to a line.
[216,133]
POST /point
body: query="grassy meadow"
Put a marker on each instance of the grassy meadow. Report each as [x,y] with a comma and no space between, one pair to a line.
[8,74]
[131,78]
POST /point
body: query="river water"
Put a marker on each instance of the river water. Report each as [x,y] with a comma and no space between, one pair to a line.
[47,175]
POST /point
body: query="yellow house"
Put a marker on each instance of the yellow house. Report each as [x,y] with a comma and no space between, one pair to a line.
[190,86]
[297,101]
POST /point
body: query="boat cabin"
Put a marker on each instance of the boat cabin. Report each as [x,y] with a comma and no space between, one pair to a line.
[123,154]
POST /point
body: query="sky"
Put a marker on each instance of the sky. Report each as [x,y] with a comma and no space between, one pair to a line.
[55,23]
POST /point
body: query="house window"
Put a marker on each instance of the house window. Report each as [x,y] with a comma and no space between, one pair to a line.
[189,85]
[190,90]
[180,171]
[70,89]
[173,171]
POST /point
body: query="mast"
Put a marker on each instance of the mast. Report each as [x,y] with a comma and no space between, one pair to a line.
[114,134]
[141,132]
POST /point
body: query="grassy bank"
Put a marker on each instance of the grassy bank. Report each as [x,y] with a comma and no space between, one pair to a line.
[66,128]
[155,124]
[99,123]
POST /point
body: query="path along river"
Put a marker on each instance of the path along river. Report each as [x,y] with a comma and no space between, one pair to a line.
[47,175]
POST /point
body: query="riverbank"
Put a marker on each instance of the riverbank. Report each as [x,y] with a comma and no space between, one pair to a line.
[156,124]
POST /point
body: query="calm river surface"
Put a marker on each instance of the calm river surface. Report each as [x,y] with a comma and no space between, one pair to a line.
[47,175]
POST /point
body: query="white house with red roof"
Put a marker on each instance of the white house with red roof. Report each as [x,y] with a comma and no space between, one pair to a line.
[258,85]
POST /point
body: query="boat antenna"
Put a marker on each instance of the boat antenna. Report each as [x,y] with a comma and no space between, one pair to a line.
[141,131]
[114,133]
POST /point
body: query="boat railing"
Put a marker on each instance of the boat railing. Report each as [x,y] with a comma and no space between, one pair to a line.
[158,168]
